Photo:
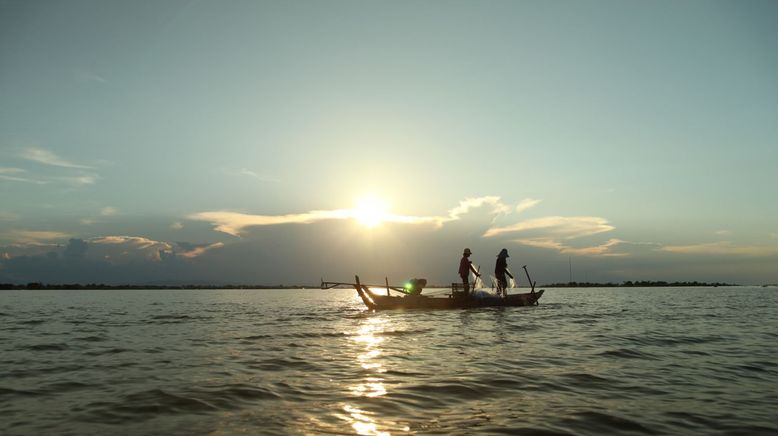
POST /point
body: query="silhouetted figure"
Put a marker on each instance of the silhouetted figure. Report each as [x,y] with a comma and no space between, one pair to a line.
[465,266]
[500,270]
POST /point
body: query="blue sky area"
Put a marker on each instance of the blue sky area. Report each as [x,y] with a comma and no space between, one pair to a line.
[281,142]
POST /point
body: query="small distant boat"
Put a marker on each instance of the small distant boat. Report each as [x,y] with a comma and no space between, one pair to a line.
[457,299]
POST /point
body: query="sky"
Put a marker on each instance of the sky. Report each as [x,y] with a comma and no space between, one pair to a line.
[270,142]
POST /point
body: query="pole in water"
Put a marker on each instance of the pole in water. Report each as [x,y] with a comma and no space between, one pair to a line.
[531,283]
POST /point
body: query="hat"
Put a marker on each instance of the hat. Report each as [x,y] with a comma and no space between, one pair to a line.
[503,253]
[467,251]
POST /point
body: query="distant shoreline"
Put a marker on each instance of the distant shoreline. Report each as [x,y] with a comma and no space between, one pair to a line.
[101,286]
[78,286]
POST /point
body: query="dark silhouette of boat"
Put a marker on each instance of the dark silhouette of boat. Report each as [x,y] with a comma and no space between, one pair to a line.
[457,299]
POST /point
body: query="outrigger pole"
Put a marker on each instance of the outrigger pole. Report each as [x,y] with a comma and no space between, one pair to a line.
[330,285]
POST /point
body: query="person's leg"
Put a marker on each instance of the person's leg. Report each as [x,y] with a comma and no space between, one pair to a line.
[465,285]
[502,284]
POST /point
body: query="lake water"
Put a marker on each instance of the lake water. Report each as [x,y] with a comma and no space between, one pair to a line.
[585,361]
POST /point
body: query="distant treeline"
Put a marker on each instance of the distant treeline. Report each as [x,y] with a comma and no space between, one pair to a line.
[74,286]
[630,283]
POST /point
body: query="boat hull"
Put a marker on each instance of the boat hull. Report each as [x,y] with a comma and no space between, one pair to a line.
[387,302]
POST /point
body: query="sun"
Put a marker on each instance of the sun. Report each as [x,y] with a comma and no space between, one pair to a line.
[370,212]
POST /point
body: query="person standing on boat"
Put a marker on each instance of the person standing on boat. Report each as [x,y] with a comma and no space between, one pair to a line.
[500,270]
[465,266]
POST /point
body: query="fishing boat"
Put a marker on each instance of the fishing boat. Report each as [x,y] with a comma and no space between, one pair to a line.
[411,297]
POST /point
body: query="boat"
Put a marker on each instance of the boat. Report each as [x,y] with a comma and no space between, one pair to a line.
[413,299]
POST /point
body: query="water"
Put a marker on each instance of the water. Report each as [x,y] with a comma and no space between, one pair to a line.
[588,361]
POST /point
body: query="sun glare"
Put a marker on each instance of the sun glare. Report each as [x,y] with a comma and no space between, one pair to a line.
[370,212]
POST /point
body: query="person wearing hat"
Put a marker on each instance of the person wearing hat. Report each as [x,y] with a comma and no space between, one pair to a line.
[500,270]
[465,266]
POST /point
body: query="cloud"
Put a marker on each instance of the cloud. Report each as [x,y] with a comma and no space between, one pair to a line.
[7,174]
[150,248]
[32,236]
[252,174]
[722,232]
[46,157]
[199,250]
[120,249]
[136,241]
[234,223]
[527,203]
[75,250]
[108,211]
[8,216]
[177,226]
[80,180]
[558,226]
[498,207]
[28,249]
[87,76]
[597,250]
[722,248]
[114,249]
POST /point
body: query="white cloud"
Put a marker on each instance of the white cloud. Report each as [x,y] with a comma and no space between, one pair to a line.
[597,250]
[108,211]
[722,248]
[234,223]
[722,232]
[527,203]
[32,236]
[137,241]
[80,180]
[119,249]
[177,226]
[46,157]
[12,175]
[558,226]
[197,251]
[498,207]
[125,248]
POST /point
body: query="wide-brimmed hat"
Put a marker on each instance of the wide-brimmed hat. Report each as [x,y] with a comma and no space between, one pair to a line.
[467,251]
[503,253]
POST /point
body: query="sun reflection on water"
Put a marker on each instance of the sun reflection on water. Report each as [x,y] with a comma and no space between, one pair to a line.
[368,357]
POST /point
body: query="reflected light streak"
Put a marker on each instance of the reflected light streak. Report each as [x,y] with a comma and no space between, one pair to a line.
[362,424]
[371,386]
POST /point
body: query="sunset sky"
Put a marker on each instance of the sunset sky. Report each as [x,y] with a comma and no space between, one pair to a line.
[282,142]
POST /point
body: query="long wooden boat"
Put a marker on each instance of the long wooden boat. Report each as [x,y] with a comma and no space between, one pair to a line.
[454,300]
